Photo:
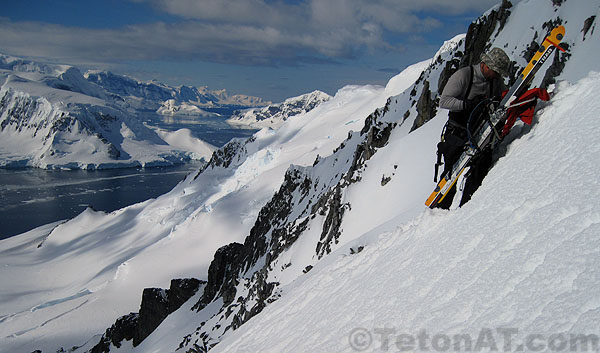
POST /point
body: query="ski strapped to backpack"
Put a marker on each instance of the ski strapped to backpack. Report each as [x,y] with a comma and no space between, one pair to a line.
[486,133]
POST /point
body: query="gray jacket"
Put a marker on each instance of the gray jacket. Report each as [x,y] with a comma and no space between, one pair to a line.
[452,97]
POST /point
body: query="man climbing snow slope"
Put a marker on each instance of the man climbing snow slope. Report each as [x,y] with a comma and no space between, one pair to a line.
[465,89]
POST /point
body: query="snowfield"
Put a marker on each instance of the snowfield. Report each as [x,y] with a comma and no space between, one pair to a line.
[84,265]
[339,252]
[522,258]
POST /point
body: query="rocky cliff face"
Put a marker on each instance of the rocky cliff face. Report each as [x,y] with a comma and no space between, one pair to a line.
[157,304]
[242,277]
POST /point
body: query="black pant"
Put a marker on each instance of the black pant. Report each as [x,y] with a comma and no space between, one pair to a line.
[480,165]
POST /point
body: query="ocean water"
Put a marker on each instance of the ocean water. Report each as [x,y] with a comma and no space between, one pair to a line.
[33,197]
[212,129]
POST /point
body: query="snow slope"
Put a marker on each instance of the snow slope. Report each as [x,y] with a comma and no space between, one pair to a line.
[274,115]
[115,253]
[523,255]
[339,253]
[343,221]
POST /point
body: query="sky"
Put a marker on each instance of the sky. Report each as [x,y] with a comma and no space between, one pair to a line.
[273,49]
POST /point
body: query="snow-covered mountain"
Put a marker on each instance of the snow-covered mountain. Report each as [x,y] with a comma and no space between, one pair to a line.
[53,116]
[314,237]
[151,95]
[274,115]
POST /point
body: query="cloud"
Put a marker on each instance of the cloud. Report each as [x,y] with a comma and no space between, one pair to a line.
[223,43]
[245,32]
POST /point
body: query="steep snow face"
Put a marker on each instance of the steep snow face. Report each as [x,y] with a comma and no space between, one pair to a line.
[518,265]
[274,115]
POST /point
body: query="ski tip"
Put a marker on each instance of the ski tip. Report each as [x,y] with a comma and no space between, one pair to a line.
[557,33]
[556,36]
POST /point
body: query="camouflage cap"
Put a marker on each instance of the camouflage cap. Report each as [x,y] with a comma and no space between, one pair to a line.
[497,60]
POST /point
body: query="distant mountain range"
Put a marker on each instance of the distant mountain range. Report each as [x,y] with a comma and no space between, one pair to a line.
[53,116]
[151,95]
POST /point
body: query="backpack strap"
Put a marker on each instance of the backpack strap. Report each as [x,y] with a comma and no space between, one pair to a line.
[466,96]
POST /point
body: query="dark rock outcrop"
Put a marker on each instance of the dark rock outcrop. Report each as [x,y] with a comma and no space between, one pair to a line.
[234,151]
[587,24]
[331,227]
[480,31]
[557,66]
[450,67]
[222,274]
[153,310]
[123,329]
[156,305]
[426,107]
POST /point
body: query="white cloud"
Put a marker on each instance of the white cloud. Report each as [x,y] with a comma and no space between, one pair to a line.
[249,32]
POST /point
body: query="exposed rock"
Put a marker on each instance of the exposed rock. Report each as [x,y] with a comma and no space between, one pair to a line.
[156,305]
[331,227]
[259,294]
[234,151]
[123,329]
[426,107]
[557,66]
[587,24]
[450,68]
[180,291]
[153,311]
[222,275]
[385,180]
[480,31]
